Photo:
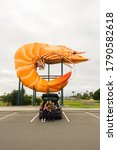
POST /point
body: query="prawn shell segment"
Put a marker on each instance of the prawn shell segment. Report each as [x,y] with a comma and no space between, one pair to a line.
[25,60]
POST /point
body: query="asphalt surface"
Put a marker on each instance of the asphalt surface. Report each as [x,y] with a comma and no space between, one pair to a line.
[24,131]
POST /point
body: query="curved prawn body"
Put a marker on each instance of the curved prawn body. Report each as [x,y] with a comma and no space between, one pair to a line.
[35,55]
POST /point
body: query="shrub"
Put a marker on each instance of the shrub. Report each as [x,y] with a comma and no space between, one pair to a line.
[27,100]
[96,95]
[38,101]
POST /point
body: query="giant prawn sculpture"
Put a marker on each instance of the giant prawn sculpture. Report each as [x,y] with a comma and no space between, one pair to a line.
[29,57]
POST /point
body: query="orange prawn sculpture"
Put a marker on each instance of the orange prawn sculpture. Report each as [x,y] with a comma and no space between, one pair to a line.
[29,57]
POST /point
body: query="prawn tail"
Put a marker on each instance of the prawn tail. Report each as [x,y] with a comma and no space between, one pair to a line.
[59,81]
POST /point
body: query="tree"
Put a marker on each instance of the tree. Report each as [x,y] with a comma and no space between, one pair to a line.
[73,92]
[96,95]
[38,101]
[6,98]
[27,99]
[90,95]
[79,96]
[12,98]
[85,95]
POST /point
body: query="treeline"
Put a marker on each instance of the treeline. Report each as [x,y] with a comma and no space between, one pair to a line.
[12,98]
[87,95]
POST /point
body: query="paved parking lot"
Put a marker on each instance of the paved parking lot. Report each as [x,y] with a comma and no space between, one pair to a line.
[76,131]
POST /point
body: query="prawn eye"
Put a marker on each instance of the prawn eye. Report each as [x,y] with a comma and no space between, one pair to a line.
[74,52]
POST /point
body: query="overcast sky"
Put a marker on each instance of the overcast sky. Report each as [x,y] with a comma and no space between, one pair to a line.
[73,23]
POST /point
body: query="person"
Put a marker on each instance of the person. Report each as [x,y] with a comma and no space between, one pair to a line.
[55,105]
[51,111]
[46,110]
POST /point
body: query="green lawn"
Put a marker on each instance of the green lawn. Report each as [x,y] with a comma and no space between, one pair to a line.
[82,103]
[74,103]
[3,104]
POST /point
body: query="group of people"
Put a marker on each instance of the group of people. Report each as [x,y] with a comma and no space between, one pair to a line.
[48,111]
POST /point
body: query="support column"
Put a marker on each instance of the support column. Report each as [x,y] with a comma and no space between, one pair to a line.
[48,72]
[34,97]
[62,89]
[48,75]
[19,93]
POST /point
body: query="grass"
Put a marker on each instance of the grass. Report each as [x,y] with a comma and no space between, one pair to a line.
[74,103]
[3,104]
[82,103]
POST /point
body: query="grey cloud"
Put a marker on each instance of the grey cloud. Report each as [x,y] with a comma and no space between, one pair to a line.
[72,23]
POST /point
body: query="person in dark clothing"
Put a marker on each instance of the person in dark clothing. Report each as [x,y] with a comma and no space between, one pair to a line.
[46,110]
[51,112]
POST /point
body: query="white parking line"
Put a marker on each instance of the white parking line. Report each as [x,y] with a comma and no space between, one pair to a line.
[93,115]
[66,116]
[8,115]
[34,117]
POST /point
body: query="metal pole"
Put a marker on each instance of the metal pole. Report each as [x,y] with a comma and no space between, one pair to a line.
[34,97]
[18,103]
[48,75]
[62,89]
[21,95]
[48,72]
